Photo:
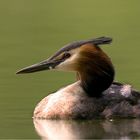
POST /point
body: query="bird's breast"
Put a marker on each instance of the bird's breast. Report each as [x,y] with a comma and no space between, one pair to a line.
[68,102]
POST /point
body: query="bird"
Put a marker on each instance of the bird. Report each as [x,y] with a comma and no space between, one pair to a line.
[95,94]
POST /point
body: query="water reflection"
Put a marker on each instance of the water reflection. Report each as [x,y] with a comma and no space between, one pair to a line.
[95,129]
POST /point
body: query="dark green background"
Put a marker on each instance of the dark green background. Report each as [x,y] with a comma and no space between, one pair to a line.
[32,30]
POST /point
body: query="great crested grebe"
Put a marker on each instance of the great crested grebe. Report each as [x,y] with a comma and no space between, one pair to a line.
[94,94]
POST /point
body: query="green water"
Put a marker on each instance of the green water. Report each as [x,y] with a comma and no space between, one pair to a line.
[32,30]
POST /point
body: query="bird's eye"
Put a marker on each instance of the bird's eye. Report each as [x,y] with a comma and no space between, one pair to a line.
[66,55]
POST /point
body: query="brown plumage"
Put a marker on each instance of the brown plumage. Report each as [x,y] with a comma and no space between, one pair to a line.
[95,69]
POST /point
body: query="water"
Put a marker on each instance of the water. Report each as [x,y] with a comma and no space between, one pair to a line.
[32,30]
[95,129]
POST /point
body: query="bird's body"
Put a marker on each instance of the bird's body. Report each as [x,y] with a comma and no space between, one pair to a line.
[94,94]
[71,102]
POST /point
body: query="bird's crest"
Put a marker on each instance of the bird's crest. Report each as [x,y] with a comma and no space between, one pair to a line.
[77,44]
[102,40]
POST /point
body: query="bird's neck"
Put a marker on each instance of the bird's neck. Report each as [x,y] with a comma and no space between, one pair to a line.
[96,76]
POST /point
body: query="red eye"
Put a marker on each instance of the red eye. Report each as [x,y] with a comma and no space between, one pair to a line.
[66,55]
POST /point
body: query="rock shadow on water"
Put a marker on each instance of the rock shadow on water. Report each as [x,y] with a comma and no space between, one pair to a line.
[87,129]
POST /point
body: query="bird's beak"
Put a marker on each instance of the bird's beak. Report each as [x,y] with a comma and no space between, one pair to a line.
[45,65]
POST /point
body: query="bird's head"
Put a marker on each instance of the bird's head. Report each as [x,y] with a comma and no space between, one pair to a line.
[94,67]
[77,56]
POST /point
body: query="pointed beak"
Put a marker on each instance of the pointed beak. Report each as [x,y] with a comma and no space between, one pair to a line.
[45,65]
